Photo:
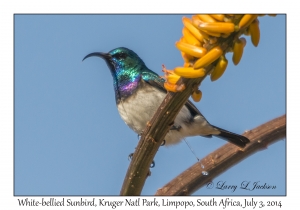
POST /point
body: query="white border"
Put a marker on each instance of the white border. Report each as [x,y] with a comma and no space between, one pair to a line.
[9,8]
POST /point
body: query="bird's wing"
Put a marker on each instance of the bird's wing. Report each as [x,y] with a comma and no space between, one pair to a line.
[158,82]
[155,80]
[193,109]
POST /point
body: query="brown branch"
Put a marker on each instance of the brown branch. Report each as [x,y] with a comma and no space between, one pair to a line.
[225,157]
[153,137]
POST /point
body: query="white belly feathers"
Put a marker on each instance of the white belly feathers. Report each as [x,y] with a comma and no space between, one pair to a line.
[142,106]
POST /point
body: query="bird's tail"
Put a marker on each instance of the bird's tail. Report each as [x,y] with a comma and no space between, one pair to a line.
[233,138]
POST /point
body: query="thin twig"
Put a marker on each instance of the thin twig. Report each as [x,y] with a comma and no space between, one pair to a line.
[225,157]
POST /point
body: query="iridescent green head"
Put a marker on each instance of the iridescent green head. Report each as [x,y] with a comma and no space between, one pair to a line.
[126,68]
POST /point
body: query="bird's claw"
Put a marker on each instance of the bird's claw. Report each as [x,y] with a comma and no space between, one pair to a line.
[130,156]
[174,127]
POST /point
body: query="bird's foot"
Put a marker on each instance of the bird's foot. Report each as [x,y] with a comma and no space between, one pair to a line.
[130,156]
[163,143]
[174,127]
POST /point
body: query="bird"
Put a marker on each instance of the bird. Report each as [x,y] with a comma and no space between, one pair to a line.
[139,91]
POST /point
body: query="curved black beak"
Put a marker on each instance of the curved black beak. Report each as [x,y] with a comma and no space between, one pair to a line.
[104,56]
[107,57]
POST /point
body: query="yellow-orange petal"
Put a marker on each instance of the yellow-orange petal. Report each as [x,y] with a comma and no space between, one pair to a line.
[190,38]
[192,50]
[246,20]
[189,72]
[217,27]
[197,95]
[254,32]
[211,33]
[174,88]
[218,17]
[219,69]
[238,49]
[172,78]
[209,57]
[196,21]
[189,25]
[206,18]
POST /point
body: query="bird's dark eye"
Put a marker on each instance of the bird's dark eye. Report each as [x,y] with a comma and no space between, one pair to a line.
[121,55]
